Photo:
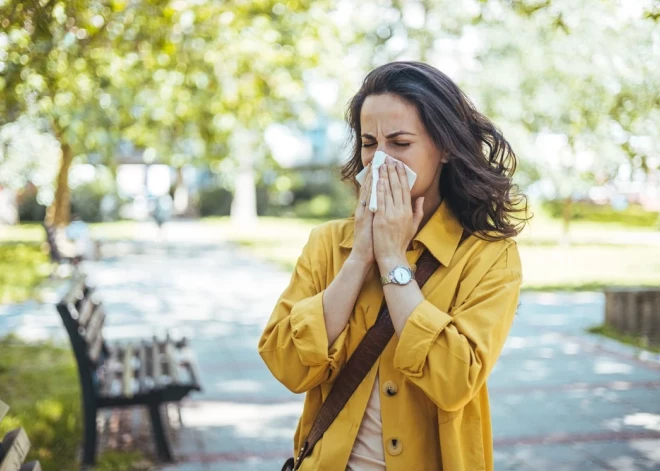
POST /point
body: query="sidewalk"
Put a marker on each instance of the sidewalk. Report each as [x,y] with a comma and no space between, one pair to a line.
[561,399]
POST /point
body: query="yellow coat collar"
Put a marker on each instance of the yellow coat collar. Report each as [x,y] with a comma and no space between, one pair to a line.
[440,235]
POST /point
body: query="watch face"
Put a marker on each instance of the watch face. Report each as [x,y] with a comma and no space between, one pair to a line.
[401,275]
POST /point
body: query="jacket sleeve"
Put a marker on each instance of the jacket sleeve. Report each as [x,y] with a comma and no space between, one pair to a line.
[450,356]
[294,344]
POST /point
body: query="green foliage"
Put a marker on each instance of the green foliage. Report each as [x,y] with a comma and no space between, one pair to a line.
[86,202]
[335,204]
[214,202]
[29,209]
[633,215]
[22,268]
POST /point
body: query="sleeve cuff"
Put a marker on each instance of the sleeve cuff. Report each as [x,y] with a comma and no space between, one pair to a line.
[308,331]
[419,333]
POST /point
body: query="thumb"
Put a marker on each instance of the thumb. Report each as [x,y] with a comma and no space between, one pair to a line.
[418,212]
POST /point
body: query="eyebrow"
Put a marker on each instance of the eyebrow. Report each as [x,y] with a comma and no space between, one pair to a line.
[392,135]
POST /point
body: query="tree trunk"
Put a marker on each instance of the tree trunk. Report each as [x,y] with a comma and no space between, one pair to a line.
[59,212]
[181,196]
[244,204]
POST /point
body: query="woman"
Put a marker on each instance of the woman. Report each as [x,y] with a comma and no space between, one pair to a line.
[424,404]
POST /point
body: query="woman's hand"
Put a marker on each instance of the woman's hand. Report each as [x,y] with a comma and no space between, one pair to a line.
[395,222]
[363,247]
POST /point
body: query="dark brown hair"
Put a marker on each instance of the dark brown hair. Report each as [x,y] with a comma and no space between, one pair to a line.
[476,180]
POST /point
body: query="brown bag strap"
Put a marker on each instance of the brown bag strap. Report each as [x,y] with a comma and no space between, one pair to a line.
[358,365]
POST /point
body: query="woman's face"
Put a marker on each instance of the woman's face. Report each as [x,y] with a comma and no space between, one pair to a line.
[392,125]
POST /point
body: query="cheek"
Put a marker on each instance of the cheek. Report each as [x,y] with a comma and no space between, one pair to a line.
[426,171]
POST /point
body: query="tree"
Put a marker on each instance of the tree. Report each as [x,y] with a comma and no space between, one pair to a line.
[581,81]
[61,62]
[173,77]
[575,86]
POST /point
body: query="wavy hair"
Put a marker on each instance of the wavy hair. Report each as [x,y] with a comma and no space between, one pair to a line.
[476,180]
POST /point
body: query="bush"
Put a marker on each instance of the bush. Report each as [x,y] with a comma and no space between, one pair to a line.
[216,201]
[86,202]
[633,215]
[29,209]
[325,206]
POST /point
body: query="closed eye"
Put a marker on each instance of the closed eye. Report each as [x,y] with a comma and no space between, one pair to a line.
[364,144]
[402,144]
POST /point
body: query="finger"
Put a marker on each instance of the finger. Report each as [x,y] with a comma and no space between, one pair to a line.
[368,182]
[403,180]
[365,191]
[395,185]
[381,202]
[387,190]
[418,212]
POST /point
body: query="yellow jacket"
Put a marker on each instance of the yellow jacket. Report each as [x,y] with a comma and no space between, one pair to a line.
[434,401]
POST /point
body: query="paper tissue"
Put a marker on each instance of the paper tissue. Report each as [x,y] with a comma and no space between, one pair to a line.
[379,159]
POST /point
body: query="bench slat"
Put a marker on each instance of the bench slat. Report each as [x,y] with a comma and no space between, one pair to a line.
[128,374]
[4,408]
[76,289]
[114,359]
[15,447]
[95,349]
[86,310]
[93,330]
[142,373]
[31,466]
[172,364]
[155,363]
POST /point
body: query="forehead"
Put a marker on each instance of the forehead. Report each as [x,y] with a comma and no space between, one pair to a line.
[387,112]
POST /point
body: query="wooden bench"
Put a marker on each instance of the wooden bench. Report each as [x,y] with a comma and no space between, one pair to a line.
[14,448]
[148,372]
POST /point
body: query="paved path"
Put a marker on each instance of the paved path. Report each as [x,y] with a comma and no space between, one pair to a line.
[561,399]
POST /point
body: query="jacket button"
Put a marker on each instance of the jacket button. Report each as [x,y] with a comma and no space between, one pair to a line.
[394,446]
[389,388]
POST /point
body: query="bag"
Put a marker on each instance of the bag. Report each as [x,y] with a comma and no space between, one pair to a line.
[358,366]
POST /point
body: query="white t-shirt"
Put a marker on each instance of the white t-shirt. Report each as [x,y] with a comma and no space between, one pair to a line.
[368,453]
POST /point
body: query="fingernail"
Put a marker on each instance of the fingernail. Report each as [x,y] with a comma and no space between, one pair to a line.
[399,164]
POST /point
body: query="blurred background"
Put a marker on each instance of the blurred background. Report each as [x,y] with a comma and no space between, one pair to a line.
[177,154]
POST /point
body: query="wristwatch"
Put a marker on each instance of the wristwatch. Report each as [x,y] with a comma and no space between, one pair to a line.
[400,275]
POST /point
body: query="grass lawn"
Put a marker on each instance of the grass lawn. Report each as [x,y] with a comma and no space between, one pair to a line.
[23,266]
[547,264]
[39,382]
[34,232]
[636,341]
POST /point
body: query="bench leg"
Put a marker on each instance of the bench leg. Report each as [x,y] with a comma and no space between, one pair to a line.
[89,450]
[162,445]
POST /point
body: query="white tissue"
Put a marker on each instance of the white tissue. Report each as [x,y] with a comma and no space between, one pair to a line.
[379,159]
